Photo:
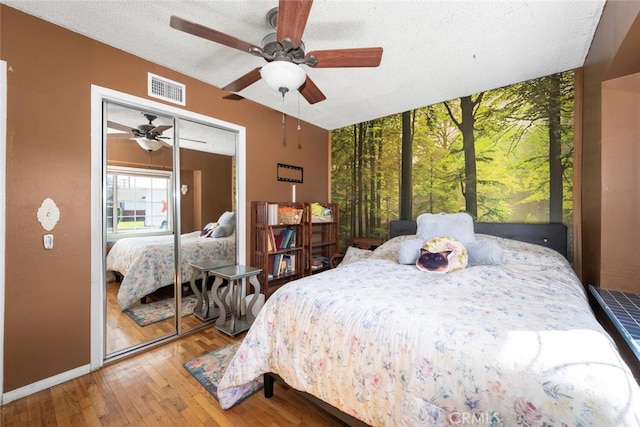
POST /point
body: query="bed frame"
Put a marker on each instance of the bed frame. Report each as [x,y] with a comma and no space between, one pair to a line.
[552,235]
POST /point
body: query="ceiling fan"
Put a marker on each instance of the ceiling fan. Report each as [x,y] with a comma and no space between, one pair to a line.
[148,136]
[284,51]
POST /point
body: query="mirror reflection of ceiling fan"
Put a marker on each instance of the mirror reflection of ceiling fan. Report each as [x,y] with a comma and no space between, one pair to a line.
[148,136]
[284,52]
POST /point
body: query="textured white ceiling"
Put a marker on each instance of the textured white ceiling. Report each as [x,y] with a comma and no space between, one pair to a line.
[433,50]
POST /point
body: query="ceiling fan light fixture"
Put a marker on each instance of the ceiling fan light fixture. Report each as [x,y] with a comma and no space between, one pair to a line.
[283,76]
[149,144]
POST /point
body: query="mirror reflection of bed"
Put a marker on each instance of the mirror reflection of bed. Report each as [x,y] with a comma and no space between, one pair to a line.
[143,218]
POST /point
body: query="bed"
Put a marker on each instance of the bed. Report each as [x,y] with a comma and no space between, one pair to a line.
[513,343]
[146,264]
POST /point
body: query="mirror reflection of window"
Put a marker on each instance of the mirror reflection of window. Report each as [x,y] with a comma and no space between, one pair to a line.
[138,201]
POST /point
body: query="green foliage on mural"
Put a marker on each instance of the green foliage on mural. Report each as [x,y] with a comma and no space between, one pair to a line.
[504,155]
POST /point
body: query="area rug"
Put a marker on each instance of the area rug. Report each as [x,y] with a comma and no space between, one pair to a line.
[209,369]
[146,314]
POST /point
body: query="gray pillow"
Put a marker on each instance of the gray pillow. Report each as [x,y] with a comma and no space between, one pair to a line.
[458,226]
[482,252]
[226,225]
[222,231]
[409,251]
[227,218]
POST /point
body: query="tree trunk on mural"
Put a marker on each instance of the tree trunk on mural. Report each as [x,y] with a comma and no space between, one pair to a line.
[358,188]
[468,144]
[466,126]
[378,190]
[555,152]
[373,175]
[406,184]
[354,176]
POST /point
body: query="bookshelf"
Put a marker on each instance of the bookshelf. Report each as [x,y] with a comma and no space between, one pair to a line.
[279,249]
[323,235]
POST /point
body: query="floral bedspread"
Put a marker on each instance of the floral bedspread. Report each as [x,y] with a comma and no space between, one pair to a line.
[391,345]
[147,263]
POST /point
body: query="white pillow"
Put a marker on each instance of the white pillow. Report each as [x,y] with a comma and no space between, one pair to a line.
[458,226]
[354,254]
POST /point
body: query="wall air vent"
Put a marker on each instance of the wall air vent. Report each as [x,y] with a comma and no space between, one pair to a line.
[168,90]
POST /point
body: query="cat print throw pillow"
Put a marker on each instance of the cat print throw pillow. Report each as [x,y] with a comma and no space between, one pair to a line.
[442,255]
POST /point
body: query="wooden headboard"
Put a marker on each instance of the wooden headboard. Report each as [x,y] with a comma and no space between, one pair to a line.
[553,236]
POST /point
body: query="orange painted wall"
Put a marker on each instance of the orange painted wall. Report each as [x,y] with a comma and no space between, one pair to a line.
[620,268]
[50,74]
[610,188]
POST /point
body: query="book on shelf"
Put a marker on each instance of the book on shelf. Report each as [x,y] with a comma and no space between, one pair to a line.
[272,239]
[277,264]
[282,240]
[272,214]
[279,242]
[283,265]
[287,238]
[289,263]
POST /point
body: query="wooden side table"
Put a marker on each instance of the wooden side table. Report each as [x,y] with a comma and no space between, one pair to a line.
[202,309]
[234,274]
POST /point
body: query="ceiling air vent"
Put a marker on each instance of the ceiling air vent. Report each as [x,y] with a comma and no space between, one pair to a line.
[166,89]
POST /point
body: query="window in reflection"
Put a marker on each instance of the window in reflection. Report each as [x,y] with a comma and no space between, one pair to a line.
[138,202]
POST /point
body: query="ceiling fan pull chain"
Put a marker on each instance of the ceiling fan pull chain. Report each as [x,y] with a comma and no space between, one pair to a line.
[298,111]
[283,121]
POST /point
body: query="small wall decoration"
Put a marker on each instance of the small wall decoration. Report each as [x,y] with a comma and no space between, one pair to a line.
[48,214]
[289,173]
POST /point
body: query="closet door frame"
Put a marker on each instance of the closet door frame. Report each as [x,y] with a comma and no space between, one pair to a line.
[98,151]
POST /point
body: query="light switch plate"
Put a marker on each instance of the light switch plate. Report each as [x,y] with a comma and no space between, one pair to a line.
[48,241]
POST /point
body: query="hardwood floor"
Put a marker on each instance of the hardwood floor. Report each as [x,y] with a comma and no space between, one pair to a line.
[122,332]
[154,388]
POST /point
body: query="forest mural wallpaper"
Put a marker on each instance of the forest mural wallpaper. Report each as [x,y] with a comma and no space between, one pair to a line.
[504,155]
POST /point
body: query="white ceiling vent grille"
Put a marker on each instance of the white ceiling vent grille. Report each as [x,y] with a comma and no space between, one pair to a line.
[166,89]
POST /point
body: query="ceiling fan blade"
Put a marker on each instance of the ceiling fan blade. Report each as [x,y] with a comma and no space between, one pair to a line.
[356,57]
[311,92]
[118,126]
[292,18]
[233,97]
[159,129]
[247,80]
[209,34]
[119,135]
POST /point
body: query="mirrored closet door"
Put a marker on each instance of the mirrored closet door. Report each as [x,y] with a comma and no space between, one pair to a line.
[165,179]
